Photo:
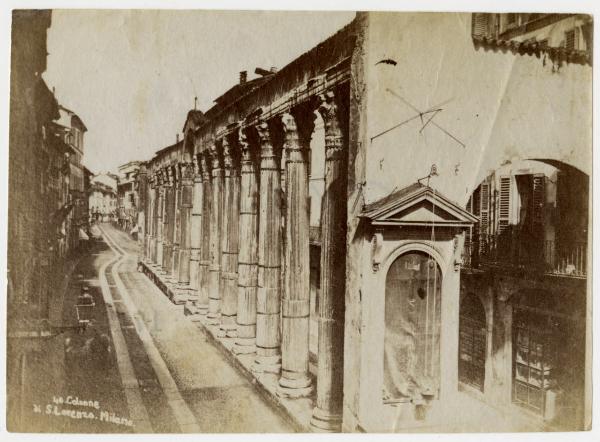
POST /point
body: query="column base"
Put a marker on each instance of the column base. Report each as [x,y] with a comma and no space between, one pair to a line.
[213,318]
[324,422]
[244,349]
[267,364]
[294,388]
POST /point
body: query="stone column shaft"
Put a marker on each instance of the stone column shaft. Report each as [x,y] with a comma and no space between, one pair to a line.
[185,215]
[176,224]
[248,253]
[204,273]
[268,353]
[229,241]
[168,223]
[295,380]
[214,294]
[160,206]
[196,230]
[327,414]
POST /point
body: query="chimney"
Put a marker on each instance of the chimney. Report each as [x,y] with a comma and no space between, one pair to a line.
[176,138]
[273,69]
[54,91]
[243,77]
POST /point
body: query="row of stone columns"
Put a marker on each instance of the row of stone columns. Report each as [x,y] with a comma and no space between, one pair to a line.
[217,227]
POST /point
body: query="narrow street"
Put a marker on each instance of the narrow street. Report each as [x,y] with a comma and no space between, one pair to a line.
[160,374]
[185,383]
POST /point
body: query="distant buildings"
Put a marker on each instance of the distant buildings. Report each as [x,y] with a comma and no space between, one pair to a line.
[103,198]
[127,195]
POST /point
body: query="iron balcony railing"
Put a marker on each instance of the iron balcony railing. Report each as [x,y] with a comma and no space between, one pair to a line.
[515,251]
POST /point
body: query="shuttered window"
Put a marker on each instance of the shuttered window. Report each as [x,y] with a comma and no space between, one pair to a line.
[538,198]
[570,41]
[504,204]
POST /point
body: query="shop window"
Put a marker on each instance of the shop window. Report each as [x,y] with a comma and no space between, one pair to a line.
[533,360]
[472,342]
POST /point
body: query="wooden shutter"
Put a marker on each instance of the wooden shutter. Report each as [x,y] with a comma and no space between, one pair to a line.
[481,24]
[504,204]
[538,198]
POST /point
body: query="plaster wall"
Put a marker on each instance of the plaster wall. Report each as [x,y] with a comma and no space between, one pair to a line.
[500,106]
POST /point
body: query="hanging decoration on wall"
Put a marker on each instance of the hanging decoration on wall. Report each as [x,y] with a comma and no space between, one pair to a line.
[426,118]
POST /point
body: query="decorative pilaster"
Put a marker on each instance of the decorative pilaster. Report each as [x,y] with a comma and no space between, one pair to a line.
[295,380]
[248,252]
[268,354]
[229,239]
[204,280]
[196,227]
[214,294]
[185,215]
[327,414]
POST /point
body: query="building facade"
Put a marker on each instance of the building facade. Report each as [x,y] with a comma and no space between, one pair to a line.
[127,195]
[391,229]
[40,216]
[103,198]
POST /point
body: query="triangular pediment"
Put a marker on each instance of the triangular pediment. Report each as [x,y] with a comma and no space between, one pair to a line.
[417,205]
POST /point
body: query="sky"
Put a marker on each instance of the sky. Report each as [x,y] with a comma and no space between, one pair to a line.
[132,75]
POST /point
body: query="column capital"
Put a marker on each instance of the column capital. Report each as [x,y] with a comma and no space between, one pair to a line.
[331,112]
[196,169]
[167,176]
[214,155]
[267,150]
[227,153]
[205,169]
[186,173]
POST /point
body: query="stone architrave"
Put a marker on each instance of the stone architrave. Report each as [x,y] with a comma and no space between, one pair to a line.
[327,415]
[248,252]
[268,340]
[295,380]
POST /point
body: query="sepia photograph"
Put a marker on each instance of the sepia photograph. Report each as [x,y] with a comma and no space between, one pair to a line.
[285,221]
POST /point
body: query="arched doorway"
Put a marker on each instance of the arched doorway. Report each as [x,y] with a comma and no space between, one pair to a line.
[412,328]
[472,342]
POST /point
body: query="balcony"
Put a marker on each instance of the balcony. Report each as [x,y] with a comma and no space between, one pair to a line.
[512,251]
